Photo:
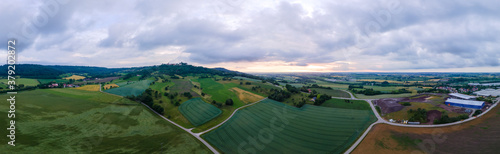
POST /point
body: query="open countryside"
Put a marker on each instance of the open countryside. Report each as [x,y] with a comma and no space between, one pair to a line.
[277,128]
[116,125]
[250,77]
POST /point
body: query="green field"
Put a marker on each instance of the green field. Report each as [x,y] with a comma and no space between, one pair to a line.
[332,92]
[273,127]
[26,82]
[361,96]
[47,81]
[160,86]
[332,85]
[135,89]
[245,78]
[198,112]
[352,104]
[219,92]
[181,86]
[76,121]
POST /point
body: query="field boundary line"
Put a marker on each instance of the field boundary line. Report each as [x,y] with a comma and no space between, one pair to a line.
[220,124]
[112,94]
[187,130]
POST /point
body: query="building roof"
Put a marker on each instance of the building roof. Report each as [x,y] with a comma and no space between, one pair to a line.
[488,92]
[462,96]
[466,102]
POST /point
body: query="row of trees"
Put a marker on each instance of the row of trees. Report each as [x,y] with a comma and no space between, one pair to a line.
[446,119]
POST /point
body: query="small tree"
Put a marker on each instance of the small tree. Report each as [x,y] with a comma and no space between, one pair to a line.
[229,102]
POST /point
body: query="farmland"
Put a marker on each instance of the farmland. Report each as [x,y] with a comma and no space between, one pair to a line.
[76,121]
[403,114]
[332,92]
[182,86]
[135,89]
[89,87]
[47,81]
[75,77]
[352,104]
[108,86]
[219,92]
[279,128]
[463,138]
[26,82]
[198,112]
[246,96]
[99,80]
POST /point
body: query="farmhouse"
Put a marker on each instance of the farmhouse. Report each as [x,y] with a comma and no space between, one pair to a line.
[462,96]
[465,103]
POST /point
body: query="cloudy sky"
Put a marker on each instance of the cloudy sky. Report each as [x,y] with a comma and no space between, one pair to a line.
[259,35]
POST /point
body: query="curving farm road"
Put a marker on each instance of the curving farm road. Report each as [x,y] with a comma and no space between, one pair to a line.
[198,135]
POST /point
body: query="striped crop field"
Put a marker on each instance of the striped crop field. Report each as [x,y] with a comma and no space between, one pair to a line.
[198,112]
[273,127]
[135,89]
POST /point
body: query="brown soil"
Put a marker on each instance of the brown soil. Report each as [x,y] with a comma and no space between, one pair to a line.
[481,135]
[433,115]
[245,96]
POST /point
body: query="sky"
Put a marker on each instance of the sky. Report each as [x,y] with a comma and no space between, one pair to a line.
[258,35]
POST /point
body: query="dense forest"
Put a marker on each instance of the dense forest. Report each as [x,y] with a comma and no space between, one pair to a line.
[33,71]
[54,71]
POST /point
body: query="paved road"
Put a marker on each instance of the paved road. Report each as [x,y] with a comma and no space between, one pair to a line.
[187,130]
[198,135]
[381,120]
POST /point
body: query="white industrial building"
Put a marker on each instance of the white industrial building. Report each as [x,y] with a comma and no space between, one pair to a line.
[488,92]
[465,103]
[462,96]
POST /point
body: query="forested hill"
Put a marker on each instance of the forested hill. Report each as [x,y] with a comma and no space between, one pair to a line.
[183,69]
[32,71]
[54,71]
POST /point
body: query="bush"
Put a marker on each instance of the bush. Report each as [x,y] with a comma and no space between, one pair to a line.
[477,112]
[419,115]
[378,109]
[446,119]
[405,103]
[188,95]
[229,102]
[158,109]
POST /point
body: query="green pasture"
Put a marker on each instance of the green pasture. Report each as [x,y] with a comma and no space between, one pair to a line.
[273,127]
[198,112]
[332,92]
[352,104]
[219,92]
[135,89]
[76,121]
[47,81]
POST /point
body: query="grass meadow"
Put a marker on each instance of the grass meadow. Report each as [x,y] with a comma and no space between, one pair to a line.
[273,127]
[76,121]
[198,112]
[136,88]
